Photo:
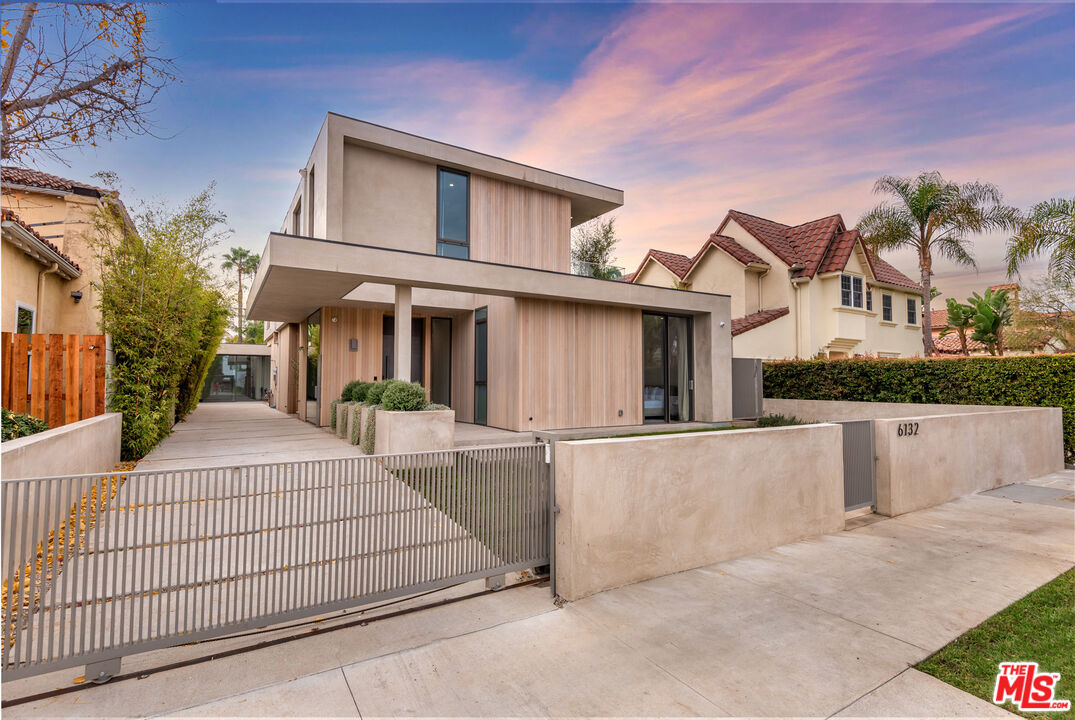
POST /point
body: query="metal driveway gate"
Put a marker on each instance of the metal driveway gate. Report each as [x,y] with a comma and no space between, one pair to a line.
[859,464]
[101,566]
[746,388]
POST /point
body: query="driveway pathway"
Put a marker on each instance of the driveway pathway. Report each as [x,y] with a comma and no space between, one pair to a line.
[829,625]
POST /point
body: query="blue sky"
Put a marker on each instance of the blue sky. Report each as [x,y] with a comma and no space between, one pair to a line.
[787,111]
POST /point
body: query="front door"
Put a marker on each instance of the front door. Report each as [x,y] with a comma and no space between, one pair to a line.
[388,348]
[481,366]
[667,368]
[313,368]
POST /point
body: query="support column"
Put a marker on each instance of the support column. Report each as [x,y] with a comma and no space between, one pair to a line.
[402,333]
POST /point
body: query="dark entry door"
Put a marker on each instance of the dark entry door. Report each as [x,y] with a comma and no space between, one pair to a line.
[388,348]
[481,366]
[440,361]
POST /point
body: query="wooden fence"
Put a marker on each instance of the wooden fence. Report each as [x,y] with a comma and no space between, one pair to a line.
[58,378]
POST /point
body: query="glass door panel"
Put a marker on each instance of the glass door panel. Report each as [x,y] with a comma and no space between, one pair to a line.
[313,368]
[440,361]
[679,369]
[667,370]
[653,368]
[481,366]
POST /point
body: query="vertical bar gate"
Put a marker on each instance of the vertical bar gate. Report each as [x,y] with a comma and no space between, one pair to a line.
[860,486]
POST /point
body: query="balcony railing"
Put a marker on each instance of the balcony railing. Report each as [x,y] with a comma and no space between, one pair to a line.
[605,272]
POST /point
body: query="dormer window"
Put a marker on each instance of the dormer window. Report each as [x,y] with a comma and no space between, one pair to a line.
[851,291]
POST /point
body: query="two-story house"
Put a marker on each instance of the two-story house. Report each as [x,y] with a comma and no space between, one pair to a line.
[405,257]
[798,291]
[49,261]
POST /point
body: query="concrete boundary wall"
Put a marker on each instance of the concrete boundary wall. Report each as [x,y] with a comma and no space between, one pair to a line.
[928,454]
[638,508]
[86,446]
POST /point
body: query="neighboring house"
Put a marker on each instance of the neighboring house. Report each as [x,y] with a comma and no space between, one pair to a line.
[405,257]
[798,291]
[49,264]
[946,340]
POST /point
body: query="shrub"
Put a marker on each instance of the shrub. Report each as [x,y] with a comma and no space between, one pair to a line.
[356,424]
[375,391]
[405,396]
[332,413]
[1031,380]
[355,391]
[778,420]
[17,425]
[369,434]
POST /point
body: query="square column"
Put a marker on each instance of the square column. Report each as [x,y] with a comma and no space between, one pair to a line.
[402,334]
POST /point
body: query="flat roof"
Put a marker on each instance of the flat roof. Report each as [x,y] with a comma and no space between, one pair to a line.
[298,275]
[588,199]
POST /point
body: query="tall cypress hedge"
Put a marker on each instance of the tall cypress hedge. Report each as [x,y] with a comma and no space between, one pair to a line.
[1032,380]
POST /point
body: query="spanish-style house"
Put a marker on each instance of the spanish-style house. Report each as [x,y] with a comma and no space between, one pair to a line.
[798,291]
[400,256]
[48,256]
[1016,341]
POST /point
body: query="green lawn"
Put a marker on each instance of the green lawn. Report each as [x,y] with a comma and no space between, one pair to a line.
[1038,628]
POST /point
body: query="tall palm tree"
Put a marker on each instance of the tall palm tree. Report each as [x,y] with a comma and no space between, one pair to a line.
[243,262]
[935,217]
[1049,227]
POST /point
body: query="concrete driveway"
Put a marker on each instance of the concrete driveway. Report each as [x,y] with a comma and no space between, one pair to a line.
[826,626]
[243,433]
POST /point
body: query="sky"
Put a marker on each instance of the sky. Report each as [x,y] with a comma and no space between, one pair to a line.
[786,111]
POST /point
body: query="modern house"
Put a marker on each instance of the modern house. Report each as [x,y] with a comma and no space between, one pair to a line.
[49,264]
[240,373]
[798,291]
[405,257]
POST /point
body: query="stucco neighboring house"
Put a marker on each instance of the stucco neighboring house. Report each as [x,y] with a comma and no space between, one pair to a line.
[405,257]
[798,291]
[49,264]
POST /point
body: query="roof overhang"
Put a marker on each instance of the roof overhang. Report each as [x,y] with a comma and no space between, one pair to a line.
[26,241]
[298,275]
[588,200]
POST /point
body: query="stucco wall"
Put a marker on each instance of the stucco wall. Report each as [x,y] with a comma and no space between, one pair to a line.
[81,447]
[389,201]
[945,451]
[718,272]
[637,508]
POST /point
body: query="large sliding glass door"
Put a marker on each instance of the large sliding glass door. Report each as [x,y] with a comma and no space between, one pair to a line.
[388,348]
[481,366]
[667,368]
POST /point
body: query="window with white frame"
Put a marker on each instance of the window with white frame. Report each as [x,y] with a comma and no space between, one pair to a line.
[886,307]
[912,312]
[869,300]
[851,291]
[25,317]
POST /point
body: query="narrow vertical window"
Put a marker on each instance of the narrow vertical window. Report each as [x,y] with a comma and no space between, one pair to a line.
[886,307]
[912,312]
[851,291]
[845,290]
[869,300]
[453,209]
[856,292]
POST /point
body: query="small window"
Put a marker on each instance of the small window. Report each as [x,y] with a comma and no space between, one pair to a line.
[24,319]
[453,205]
[886,307]
[912,312]
[296,219]
[869,300]
[850,291]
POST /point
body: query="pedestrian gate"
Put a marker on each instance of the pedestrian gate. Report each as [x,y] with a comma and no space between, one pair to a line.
[746,388]
[101,566]
[859,464]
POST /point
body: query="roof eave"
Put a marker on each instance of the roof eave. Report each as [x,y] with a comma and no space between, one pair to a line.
[19,236]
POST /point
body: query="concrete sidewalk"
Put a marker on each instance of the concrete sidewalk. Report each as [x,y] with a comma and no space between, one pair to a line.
[825,626]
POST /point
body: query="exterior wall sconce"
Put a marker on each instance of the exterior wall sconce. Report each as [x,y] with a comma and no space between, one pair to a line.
[76,295]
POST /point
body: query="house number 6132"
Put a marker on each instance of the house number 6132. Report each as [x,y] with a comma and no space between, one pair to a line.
[907,428]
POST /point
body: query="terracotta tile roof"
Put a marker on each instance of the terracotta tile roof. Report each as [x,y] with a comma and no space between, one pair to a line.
[812,239]
[839,251]
[938,319]
[678,264]
[749,322]
[950,344]
[887,274]
[36,178]
[1005,286]
[10,216]
[730,246]
[771,234]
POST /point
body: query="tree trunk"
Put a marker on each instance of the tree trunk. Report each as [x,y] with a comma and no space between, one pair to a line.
[1000,341]
[239,315]
[925,265]
[963,342]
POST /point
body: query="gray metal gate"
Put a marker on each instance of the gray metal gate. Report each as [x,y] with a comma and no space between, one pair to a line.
[746,388]
[101,566]
[859,464]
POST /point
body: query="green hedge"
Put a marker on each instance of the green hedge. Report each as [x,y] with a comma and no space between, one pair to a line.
[17,425]
[1032,380]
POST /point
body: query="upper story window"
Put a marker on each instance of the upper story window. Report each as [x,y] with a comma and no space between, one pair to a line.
[912,312]
[453,206]
[886,307]
[851,291]
[296,219]
[869,300]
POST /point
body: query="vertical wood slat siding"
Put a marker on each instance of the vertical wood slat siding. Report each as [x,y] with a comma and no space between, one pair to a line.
[339,365]
[57,378]
[579,365]
[463,367]
[516,225]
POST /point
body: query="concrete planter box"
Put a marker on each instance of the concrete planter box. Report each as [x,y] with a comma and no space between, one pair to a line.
[403,432]
[342,412]
[356,422]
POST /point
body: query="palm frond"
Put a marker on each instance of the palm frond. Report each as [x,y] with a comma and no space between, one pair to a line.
[887,227]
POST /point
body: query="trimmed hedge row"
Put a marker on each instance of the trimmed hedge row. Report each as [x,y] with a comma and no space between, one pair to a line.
[1031,380]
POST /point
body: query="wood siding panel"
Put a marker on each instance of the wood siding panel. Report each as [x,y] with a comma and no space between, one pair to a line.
[515,225]
[503,397]
[37,376]
[579,365]
[339,365]
[463,367]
